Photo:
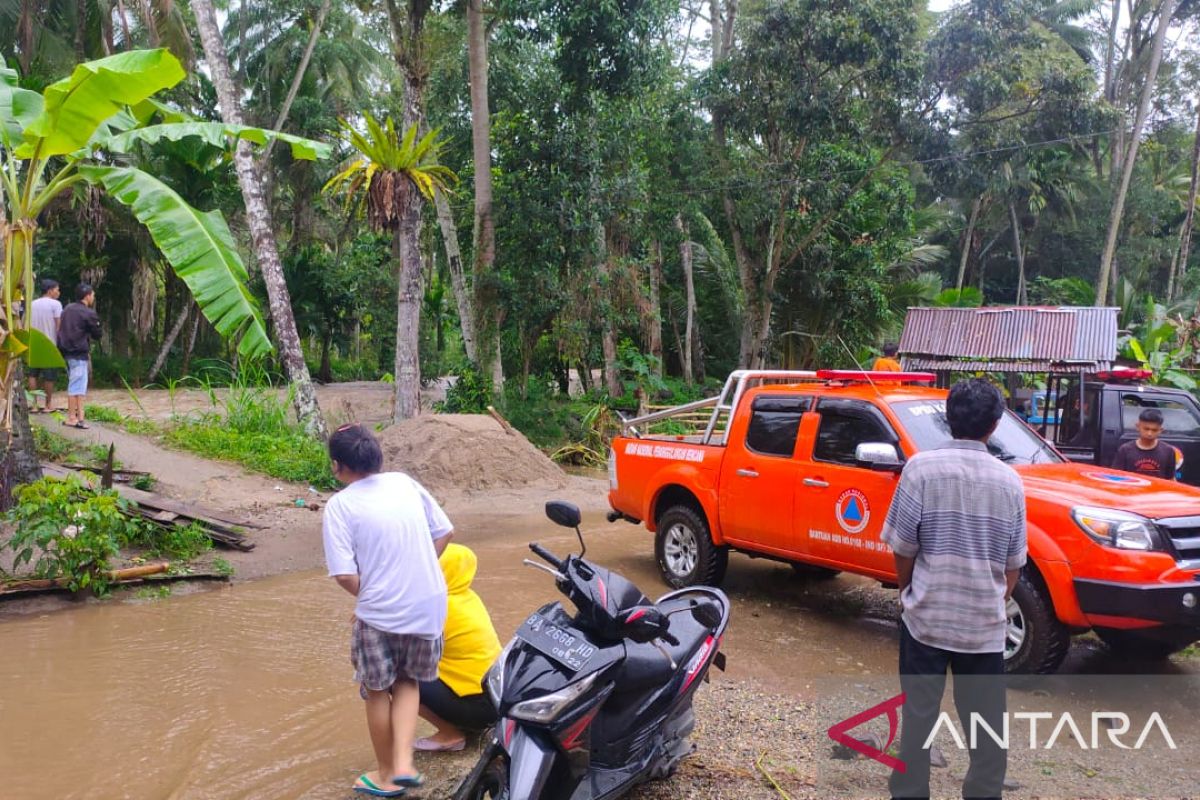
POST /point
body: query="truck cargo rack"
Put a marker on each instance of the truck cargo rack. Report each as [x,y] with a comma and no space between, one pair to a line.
[723,404]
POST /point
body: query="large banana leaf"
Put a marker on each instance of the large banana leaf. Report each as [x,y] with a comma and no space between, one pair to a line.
[40,352]
[95,91]
[199,247]
[218,134]
[18,107]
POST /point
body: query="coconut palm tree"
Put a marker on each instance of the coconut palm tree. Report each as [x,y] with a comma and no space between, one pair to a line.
[395,174]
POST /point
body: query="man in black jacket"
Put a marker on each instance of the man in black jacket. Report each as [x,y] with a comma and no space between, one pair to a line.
[80,326]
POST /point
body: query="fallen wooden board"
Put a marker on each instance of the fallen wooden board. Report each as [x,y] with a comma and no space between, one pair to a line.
[166,512]
[116,576]
[160,503]
[23,588]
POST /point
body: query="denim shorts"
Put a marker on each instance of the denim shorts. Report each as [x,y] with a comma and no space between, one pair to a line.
[77,377]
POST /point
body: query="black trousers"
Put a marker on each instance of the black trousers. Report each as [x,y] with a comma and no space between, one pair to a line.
[472,713]
[979,692]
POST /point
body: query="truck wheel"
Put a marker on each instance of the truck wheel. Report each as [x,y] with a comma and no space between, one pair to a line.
[1139,646]
[1035,641]
[685,551]
[811,572]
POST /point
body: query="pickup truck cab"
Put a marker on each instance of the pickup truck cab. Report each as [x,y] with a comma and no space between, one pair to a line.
[805,470]
[1093,421]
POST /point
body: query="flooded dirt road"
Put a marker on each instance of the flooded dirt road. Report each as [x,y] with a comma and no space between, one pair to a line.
[246,692]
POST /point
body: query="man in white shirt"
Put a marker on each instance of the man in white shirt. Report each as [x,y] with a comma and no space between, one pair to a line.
[45,315]
[383,534]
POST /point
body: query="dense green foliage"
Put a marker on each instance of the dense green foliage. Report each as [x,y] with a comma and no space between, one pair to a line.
[810,168]
[65,529]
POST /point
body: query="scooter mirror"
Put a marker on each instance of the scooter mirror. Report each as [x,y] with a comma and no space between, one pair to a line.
[563,513]
[707,614]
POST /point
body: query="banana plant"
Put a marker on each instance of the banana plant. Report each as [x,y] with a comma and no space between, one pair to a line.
[81,129]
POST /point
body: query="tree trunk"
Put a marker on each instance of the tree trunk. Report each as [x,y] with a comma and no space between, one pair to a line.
[325,372]
[608,334]
[169,342]
[486,302]
[1165,10]
[458,279]
[687,351]
[262,229]
[1022,298]
[965,257]
[191,343]
[1189,220]
[297,78]
[408,309]
[22,450]
[151,27]
[127,44]
[654,322]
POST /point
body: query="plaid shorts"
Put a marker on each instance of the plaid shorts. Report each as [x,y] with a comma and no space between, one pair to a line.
[381,658]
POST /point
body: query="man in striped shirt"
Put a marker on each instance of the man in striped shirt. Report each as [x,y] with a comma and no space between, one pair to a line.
[957,527]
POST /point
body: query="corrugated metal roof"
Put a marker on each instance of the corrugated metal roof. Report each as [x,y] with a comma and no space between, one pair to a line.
[1020,339]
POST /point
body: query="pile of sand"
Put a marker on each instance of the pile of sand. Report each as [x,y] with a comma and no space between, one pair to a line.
[452,453]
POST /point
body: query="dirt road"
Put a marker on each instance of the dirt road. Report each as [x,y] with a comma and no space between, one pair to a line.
[244,691]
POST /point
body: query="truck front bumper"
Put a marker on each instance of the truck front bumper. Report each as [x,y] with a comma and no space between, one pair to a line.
[1167,603]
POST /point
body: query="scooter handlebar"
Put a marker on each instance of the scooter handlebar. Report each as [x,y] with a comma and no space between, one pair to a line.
[546,555]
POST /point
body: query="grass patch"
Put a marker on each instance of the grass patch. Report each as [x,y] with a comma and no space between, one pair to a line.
[291,455]
[222,567]
[252,426]
[50,445]
[153,592]
[103,414]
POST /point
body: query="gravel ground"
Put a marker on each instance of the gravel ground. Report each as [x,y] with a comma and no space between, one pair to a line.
[746,738]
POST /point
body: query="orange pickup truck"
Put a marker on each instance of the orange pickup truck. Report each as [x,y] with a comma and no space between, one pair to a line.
[801,466]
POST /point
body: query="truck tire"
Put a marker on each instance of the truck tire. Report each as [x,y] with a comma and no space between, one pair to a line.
[1139,646]
[685,552]
[1035,641]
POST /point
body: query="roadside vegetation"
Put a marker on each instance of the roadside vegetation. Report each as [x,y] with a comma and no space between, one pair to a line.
[69,530]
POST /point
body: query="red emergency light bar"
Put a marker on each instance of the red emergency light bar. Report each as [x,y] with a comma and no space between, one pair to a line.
[1125,374]
[869,376]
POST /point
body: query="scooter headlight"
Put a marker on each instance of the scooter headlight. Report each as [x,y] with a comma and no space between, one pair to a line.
[547,708]
[1114,528]
[494,680]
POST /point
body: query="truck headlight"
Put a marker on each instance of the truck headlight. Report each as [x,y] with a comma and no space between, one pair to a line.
[494,680]
[546,708]
[1114,528]
[612,469]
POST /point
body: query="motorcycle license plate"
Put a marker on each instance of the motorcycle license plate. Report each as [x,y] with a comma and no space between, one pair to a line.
[564,646]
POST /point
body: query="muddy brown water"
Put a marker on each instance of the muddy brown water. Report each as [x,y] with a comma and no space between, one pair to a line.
[246,691]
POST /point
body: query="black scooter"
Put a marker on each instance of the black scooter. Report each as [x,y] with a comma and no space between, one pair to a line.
[593,704]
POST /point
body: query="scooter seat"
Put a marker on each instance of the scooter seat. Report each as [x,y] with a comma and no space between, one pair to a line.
[645,666]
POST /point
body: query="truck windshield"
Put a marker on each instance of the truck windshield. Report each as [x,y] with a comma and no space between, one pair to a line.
[1012,443]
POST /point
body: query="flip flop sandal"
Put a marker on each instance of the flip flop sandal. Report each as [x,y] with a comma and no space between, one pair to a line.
[409,781]
[370,789]
[430,746]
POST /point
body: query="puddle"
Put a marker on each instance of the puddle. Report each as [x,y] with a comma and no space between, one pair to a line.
[246,691]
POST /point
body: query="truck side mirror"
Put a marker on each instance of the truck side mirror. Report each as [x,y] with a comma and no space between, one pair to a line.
[878,455]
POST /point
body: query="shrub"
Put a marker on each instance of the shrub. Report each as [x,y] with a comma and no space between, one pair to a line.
[68,530]
[470,394]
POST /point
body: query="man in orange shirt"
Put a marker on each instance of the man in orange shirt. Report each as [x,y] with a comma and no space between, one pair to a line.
[887,362]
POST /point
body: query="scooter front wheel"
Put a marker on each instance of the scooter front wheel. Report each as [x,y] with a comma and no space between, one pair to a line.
[491,783]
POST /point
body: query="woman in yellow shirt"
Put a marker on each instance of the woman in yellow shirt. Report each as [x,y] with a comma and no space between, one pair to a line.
[455,702]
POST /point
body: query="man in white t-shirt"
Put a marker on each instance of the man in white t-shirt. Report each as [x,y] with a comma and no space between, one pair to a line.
[45,315]
[383,534]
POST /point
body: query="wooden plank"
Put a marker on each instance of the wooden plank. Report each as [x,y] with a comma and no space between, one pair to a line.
[159,503]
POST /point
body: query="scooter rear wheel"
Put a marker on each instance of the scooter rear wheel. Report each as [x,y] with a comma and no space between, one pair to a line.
[492,784]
